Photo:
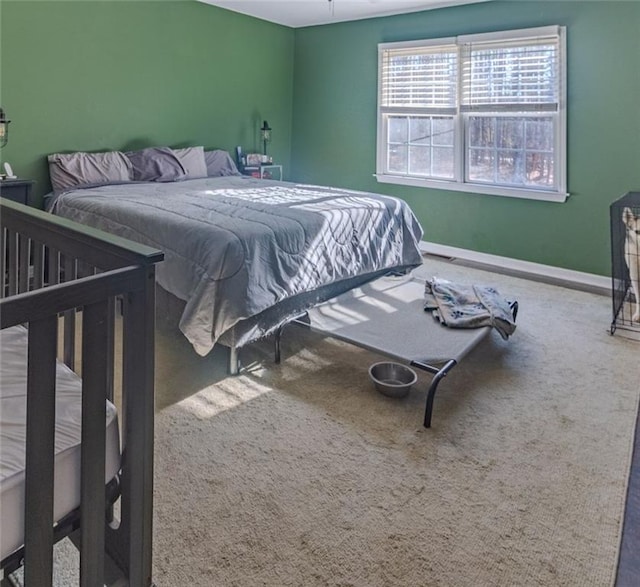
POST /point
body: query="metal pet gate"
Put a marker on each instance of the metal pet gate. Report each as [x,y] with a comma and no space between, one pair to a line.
[625,262]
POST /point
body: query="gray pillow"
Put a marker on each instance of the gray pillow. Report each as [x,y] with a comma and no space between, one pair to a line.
[192,159]
[68,171]
[219,163]
[156,164]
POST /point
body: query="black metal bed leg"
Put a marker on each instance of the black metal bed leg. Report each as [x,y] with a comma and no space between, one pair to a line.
[276,342]
[234,360]
[301,320]
[441,374]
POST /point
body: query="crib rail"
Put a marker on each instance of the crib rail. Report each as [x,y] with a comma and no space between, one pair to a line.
[53,268]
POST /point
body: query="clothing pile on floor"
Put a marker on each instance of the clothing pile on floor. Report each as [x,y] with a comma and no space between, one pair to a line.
[469,306]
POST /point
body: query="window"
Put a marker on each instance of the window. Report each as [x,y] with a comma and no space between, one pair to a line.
[481,113]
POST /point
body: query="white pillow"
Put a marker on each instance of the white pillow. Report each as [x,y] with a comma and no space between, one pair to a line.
[192,159]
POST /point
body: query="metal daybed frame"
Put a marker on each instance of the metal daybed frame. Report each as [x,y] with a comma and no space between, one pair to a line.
[386,316]
[53,267]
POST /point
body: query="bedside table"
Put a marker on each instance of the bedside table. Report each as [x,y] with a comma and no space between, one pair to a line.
[264,171]
[17,190]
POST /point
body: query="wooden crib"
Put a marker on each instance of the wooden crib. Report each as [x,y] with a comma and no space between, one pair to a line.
[76,289]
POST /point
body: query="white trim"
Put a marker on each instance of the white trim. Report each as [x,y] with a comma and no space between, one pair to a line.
[417,43]
[559,274]
[381,128]
[473,188]
[561,136]
[558,194]
[514,35]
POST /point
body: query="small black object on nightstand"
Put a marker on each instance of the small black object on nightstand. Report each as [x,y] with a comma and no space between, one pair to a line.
[17,190]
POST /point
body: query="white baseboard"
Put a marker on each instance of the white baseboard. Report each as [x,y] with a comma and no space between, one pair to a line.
[550,273]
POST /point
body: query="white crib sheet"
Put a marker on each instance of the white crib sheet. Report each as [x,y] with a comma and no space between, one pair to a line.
[13,406]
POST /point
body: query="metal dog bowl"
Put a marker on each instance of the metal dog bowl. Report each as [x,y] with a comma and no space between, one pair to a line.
[392,379]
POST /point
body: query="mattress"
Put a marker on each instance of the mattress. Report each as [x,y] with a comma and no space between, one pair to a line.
[13,405]
[237,246]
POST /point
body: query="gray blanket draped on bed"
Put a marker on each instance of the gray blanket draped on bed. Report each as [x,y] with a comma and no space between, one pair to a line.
[468,306]
[235,246]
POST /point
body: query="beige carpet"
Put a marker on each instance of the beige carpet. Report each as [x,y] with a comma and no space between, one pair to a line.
[303,475]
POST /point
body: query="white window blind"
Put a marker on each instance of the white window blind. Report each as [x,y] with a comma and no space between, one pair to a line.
[517,75]
[419,78]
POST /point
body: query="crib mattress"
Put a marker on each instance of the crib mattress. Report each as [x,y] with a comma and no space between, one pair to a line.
[13,407]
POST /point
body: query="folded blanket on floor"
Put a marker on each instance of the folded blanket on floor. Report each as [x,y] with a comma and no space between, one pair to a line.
[468,306]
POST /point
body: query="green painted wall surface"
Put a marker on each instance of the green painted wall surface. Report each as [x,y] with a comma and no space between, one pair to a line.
[95,76]
[118,75]
[334,122]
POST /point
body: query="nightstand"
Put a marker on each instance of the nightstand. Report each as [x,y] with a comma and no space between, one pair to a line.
[17,190]
[264,171]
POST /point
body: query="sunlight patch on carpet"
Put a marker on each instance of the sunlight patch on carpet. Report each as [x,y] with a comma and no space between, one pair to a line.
[226,395]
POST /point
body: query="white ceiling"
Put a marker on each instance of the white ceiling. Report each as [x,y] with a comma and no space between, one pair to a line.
[299,13]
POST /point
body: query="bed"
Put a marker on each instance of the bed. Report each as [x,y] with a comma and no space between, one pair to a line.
[66,454]
[246,255]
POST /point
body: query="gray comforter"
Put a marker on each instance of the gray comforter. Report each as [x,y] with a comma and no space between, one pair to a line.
[235,246]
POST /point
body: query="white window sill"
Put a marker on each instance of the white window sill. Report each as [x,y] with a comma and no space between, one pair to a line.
[491,190]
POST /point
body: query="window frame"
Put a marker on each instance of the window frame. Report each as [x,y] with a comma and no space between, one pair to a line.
[459,183]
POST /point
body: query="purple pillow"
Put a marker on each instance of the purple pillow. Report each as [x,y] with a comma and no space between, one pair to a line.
[192,159]
[219,163]
[72,170]
[156,164]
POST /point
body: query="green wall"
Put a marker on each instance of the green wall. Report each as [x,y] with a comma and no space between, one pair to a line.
[80,75]
[99,75]
[334,139]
